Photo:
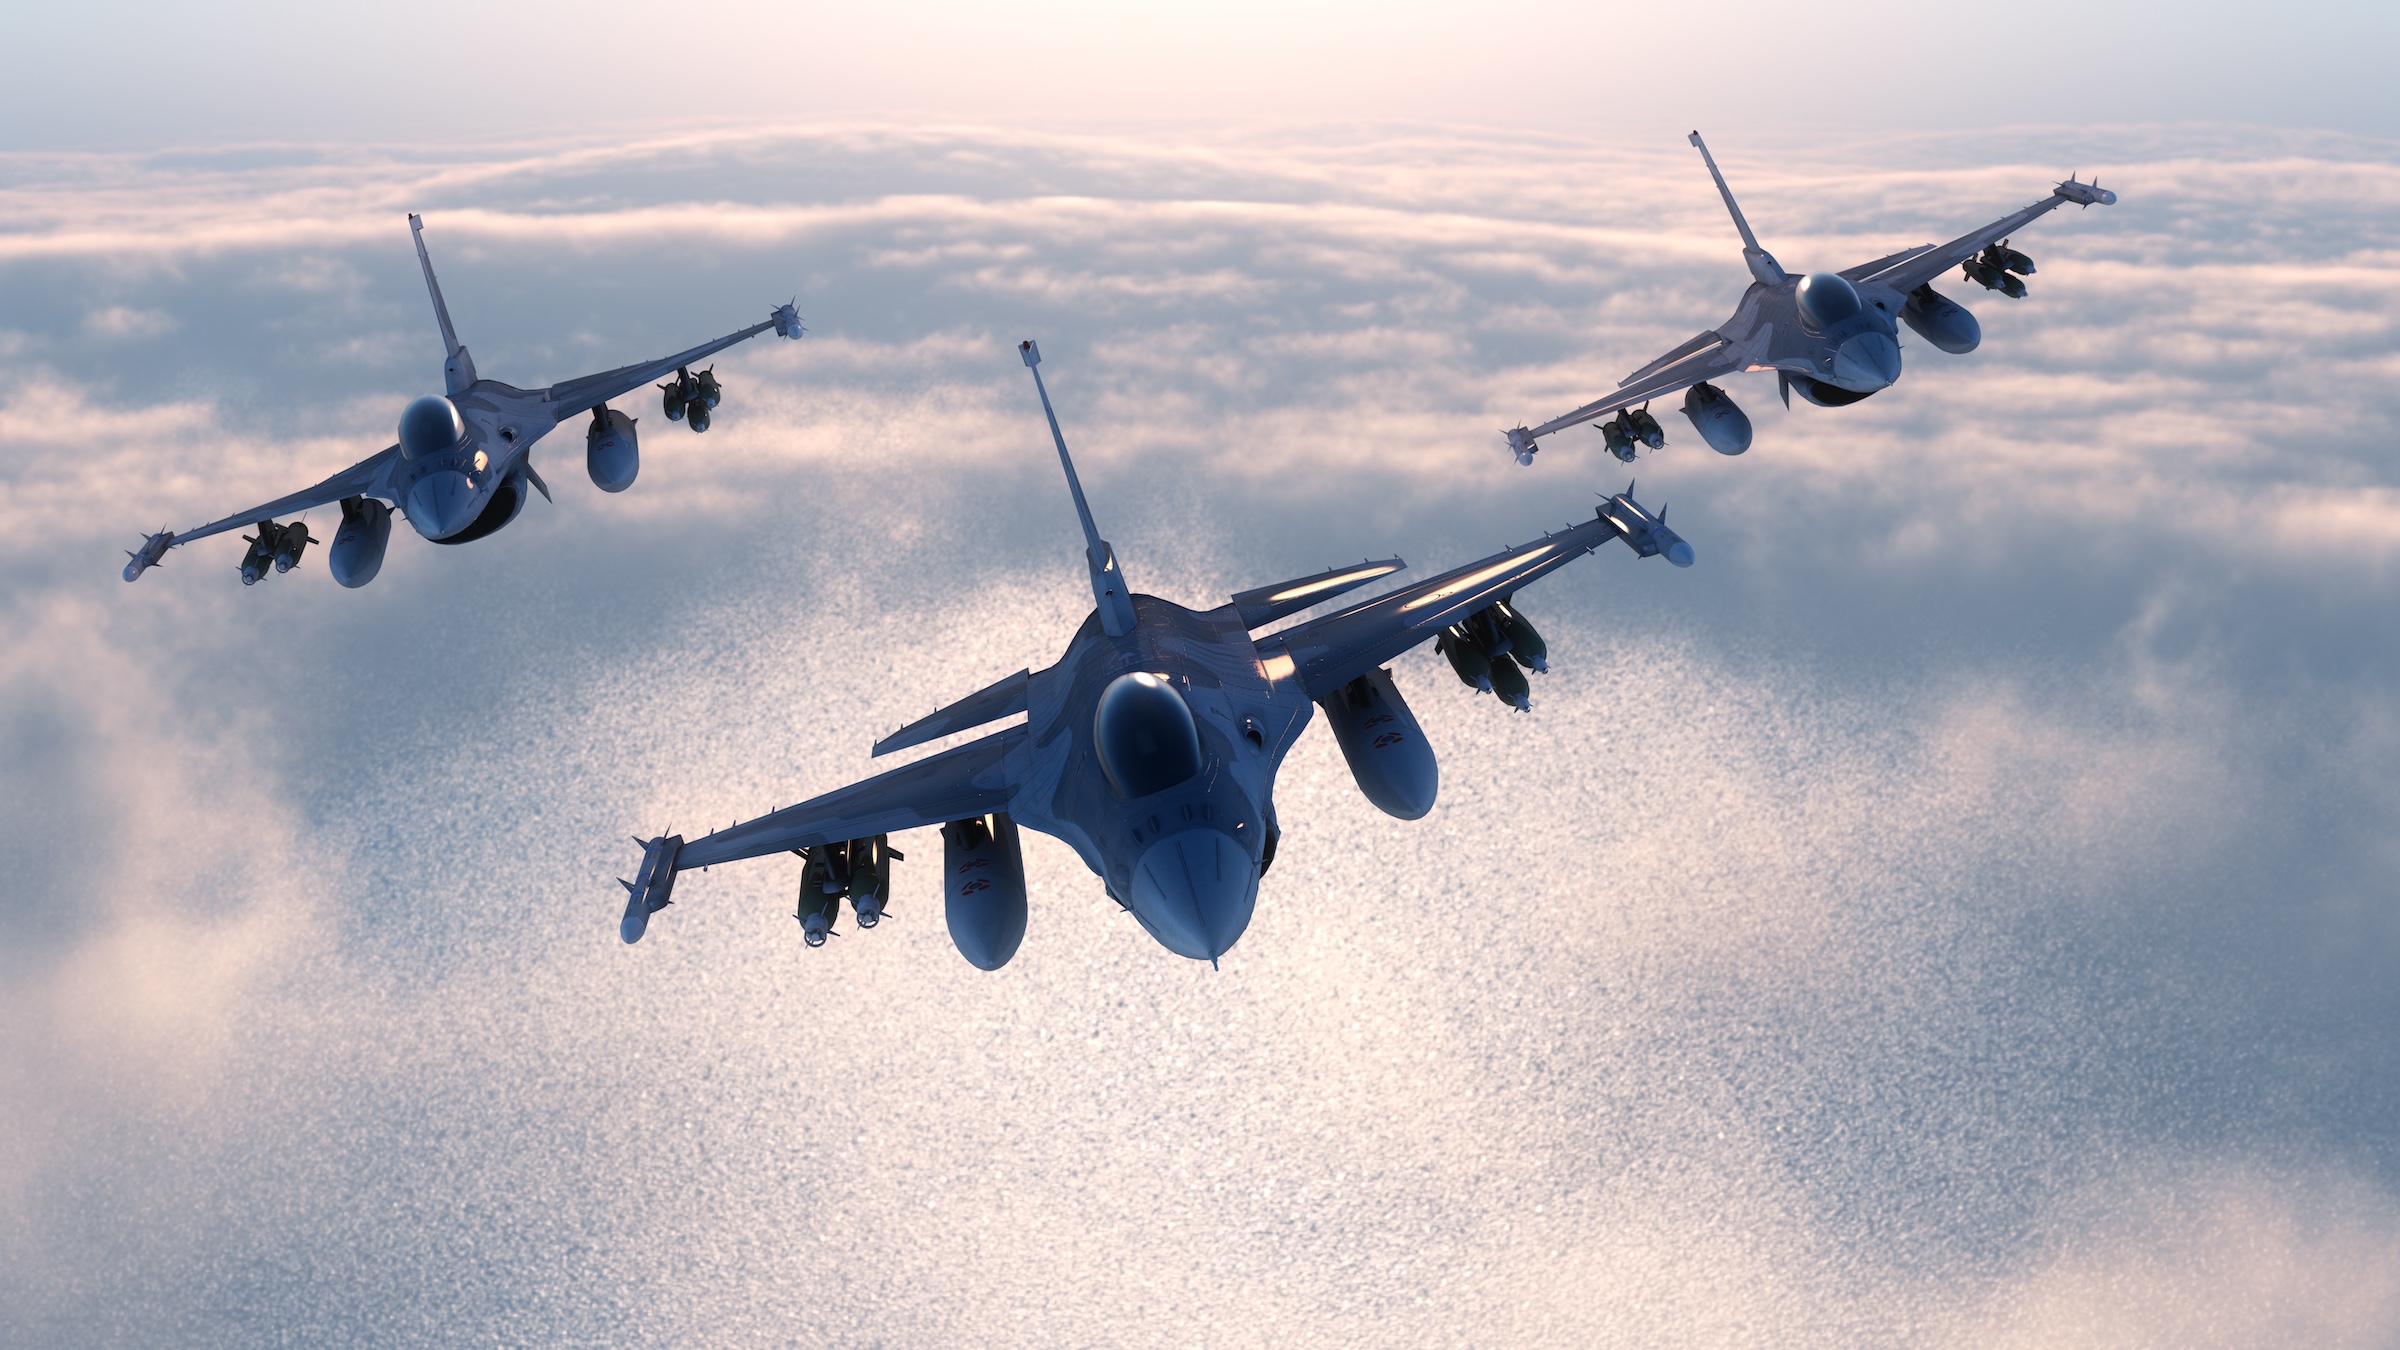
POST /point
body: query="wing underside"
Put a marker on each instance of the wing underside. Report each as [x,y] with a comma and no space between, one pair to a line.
[1705,358]
[1330,651]
[971,780]
[569,398]
[1906,270]
[367,478]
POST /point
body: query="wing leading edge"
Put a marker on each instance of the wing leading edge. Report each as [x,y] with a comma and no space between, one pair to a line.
[1911,268]
[570,398]
[974,779]
[1328,652]
[367,478]
[970,780]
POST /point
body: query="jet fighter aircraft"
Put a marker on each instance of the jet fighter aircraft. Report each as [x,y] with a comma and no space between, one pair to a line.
[1151,748]
[462,467]
[1828,336]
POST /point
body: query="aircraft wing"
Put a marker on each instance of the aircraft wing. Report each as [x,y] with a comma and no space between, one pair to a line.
[1906,270]
[569,398]
[1703,358]
[1329,652]
[970,780]
[367,478]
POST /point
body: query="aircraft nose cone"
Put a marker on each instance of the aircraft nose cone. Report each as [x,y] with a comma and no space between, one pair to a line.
[1196,891]
[1867,362]
[441,504]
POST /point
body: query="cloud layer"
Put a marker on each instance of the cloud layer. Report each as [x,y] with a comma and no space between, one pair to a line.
[1956,912]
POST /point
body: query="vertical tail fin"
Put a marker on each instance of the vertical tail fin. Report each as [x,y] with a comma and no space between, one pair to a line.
[1762,263]
[458,368]
[1108,584]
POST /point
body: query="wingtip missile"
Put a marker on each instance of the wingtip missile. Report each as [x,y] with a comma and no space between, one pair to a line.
[652,886]
[152,552]
[1520,444]
[2086,195]
[787,319]
[1645,533]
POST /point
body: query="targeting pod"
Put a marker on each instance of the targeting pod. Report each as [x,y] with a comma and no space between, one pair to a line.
[1647,534]
[651,886]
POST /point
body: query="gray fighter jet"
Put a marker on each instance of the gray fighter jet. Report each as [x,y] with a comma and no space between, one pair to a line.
[1830,337]
[461,469]
[1151,747]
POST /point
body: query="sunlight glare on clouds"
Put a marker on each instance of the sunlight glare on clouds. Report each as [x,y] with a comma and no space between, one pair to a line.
[1955,912]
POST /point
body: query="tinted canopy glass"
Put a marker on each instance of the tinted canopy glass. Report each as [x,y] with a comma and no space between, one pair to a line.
[1826,299]
[429,426]
[1145,734]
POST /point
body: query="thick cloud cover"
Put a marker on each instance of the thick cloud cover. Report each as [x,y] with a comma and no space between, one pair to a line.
[1958,912]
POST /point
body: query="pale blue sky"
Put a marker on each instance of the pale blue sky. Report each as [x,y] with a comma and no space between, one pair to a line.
[125,74]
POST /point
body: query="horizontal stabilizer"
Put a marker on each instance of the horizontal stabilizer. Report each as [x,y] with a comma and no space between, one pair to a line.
[1003,699]
[1284,599]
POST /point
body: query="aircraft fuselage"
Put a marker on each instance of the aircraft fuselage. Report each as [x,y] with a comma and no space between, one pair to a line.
[478,485]
[1185,859]
[1857,354]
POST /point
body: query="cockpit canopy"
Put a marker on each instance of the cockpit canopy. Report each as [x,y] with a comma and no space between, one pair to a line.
[1827,299]
[1145,734]
[429,426]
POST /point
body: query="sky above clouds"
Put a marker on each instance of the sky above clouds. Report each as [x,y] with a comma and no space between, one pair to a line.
[1957,912]
[135,74]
